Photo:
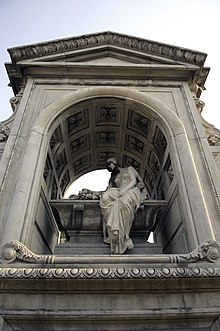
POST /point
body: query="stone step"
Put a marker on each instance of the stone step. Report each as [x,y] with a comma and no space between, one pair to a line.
[101,248]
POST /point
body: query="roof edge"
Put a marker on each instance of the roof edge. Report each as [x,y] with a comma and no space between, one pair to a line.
[103,38]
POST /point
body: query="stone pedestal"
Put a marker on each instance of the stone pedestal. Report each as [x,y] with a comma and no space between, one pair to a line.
[97,293]
[82,220]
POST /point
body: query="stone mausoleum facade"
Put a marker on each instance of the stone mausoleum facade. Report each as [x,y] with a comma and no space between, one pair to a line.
[78,102]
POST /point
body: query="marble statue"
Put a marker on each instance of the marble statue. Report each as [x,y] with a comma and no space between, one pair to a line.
[123,196]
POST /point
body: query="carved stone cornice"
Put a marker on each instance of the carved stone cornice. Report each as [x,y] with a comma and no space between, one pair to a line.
[104,38]
[107,273]
[14,251]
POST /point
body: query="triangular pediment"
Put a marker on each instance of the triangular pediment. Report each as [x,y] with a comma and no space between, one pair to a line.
[104,48]
[108,60]
[104,55]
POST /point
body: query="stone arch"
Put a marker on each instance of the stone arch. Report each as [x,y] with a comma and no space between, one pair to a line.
[149,107]
[169,120]
[180,157]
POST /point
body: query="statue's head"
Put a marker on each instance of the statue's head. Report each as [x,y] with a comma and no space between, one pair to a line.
[111,164]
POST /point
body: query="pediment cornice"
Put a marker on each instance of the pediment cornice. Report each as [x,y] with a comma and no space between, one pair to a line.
[106,38]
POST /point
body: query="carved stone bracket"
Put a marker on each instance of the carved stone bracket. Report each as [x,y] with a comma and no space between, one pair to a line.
[208,251]
[14,103]
[16,251]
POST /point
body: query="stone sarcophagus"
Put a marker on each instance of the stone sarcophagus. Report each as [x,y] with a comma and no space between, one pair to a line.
[82,229]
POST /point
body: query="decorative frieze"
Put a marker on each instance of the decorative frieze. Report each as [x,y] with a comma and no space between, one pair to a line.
[105,38]
[108,273]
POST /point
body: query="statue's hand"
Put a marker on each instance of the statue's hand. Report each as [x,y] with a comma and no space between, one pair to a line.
[122,192]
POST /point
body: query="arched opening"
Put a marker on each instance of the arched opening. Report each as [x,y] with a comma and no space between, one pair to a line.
[78,132]
[89,133]
[92,131]
[96,180]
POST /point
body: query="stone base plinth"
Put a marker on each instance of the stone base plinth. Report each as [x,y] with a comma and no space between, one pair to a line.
[115,297]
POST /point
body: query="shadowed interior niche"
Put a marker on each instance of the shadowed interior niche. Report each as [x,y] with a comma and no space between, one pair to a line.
[86,135]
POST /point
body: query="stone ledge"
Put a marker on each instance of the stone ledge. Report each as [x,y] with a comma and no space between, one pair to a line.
[15,251]
[65,272]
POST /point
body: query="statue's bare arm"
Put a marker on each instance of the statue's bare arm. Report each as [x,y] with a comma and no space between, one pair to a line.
[132,182]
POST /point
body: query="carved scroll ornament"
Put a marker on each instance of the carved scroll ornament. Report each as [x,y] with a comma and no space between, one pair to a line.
[14,251]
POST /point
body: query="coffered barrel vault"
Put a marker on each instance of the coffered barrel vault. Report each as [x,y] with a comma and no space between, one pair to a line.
[92,131]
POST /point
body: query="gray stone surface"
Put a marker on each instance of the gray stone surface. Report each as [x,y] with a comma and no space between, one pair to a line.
[83,223]
[79,101]
[100,249]
[152,298]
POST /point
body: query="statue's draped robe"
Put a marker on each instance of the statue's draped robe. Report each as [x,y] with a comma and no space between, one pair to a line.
[118,211]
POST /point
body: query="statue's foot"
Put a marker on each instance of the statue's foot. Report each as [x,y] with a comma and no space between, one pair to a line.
[106,241]
[130,244]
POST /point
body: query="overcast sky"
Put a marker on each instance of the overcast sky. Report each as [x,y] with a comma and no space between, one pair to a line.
[193,24]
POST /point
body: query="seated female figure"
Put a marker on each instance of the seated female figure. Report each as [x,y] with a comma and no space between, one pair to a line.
[123,196]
